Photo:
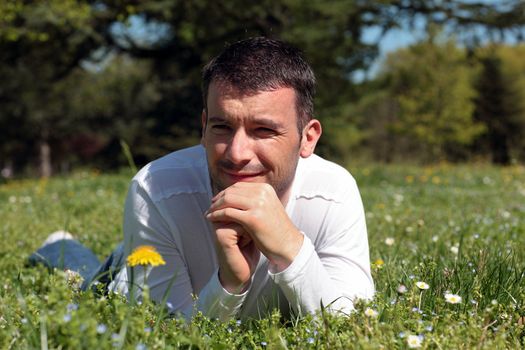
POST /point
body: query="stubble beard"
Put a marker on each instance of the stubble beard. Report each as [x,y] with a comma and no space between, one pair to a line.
[281,188]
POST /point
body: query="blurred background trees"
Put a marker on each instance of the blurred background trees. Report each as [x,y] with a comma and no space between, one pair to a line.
[79,76]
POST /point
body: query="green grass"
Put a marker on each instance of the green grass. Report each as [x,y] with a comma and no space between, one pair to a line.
[461,229]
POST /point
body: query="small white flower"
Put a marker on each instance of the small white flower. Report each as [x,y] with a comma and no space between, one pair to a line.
[398,197]
[435,239]
[422,285]
[141,346]
[402,289]
[388,218]
[101,328]
[74,279]
[454,249]
[389,241]
[371,312]
[452,298]
[414,341]
[71,307]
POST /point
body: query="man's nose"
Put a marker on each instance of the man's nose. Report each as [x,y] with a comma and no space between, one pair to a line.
[240,149]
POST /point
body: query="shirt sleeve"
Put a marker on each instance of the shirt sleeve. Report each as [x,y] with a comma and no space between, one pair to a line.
[216,302]
[145,225]
[336,270]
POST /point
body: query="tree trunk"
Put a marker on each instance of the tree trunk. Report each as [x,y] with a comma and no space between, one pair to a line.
[500,149]
[45,159]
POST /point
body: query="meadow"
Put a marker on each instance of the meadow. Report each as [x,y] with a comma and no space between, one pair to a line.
[447,246]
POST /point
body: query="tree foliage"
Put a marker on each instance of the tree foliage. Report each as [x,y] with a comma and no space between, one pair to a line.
[432,84]
[41,44]
[500,104]
[45,48]
[435,101]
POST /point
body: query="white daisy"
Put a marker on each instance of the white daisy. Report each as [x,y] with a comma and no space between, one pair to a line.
[422,285]
[414,341]
[452,298]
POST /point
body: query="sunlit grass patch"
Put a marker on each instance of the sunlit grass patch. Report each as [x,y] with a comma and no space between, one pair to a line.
[458,229]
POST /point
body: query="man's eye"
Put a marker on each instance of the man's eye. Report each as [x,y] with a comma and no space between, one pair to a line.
[265,131]
[220,128]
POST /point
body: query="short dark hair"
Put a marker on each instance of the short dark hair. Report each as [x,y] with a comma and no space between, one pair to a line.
[262,64]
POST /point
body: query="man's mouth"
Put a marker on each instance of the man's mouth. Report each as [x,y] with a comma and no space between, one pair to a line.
[241,176]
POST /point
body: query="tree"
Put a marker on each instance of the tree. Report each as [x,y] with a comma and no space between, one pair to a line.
[431,84]
[500,105]
[114,103]
[43,43]
[333,45]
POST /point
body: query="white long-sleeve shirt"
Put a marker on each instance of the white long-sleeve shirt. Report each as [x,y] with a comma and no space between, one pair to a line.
[165,208]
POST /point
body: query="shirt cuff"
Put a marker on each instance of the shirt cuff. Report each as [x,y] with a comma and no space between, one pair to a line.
[297,266]
[217,302]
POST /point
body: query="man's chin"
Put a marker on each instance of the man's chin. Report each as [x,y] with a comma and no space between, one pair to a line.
[228,180]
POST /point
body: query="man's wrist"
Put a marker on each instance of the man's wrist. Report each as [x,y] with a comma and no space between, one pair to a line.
[233,287]
[280,263]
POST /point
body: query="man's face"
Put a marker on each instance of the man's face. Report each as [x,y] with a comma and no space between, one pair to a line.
[251,138]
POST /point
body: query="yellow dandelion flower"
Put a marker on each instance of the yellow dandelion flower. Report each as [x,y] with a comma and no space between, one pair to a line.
[145,255]
[378,263]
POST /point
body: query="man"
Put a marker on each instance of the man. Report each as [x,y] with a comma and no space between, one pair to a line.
[251,219]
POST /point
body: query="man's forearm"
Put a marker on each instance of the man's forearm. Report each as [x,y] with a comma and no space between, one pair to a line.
[306,283]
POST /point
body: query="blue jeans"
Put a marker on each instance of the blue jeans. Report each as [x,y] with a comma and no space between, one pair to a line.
[72,255]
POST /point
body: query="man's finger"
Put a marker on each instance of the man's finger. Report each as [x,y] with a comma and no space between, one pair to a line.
[245,189]
[226,214]
[230,199]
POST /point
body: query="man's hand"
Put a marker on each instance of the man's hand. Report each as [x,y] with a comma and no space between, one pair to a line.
[257,209]
[237,254]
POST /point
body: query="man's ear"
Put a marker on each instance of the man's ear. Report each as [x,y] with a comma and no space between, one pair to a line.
[204,118]
[311,134]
